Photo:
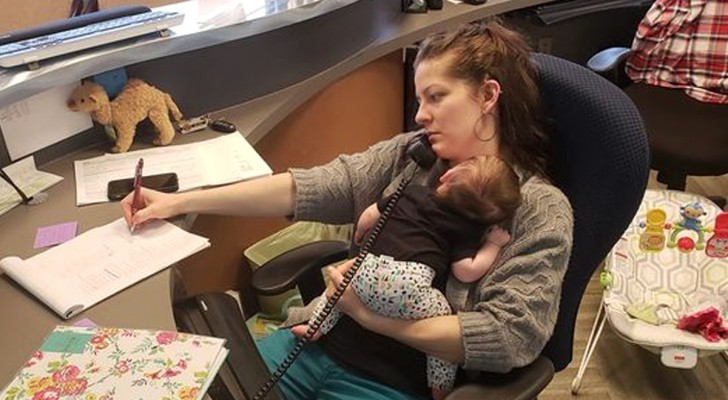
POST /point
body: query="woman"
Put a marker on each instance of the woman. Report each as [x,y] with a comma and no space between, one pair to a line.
[478,95]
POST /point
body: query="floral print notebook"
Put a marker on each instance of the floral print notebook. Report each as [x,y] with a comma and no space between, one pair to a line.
[94,363]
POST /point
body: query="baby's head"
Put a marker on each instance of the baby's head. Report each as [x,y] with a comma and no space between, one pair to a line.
[484,188]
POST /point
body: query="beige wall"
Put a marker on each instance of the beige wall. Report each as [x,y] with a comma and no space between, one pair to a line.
[17,14]
[22,14]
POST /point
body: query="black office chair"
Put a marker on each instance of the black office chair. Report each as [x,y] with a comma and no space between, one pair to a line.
[676,152]
[601,165]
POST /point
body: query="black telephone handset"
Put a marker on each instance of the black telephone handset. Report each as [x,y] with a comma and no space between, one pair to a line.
[420,151]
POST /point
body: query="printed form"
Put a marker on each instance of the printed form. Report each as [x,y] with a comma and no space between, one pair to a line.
[27,177]
[226,159]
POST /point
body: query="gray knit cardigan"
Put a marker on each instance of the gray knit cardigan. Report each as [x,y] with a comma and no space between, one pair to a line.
[505,318]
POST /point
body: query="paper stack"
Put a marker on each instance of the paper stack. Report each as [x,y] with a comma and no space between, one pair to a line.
[77,274]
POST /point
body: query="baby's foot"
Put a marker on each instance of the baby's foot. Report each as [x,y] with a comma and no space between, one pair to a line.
[300,332]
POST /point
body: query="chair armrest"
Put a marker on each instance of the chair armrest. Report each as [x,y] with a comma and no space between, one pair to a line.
[609,59]
[610,63]
[299,266]
[520,384]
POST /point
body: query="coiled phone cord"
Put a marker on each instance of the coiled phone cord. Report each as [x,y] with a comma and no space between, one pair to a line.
[331,301]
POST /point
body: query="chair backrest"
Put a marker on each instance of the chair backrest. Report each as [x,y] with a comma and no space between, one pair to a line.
[602,165]
[692,139]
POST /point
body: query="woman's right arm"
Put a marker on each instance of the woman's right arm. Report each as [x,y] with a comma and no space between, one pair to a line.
[263,197]
[334,193]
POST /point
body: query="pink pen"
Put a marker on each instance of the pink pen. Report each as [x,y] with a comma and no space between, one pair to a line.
[136,204]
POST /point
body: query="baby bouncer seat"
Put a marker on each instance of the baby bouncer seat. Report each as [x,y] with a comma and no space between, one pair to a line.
[666,281]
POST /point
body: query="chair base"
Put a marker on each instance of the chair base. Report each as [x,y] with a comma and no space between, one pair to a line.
[591,344]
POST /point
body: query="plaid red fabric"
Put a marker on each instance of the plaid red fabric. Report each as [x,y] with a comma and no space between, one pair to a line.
[684,44]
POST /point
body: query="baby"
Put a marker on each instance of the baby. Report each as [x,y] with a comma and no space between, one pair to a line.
[426,230]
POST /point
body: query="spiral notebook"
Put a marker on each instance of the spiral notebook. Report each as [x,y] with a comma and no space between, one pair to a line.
[116,363]
[77,274]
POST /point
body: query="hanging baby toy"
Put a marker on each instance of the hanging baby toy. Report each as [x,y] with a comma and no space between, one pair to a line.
[717,245]
[691,214]
[653,238]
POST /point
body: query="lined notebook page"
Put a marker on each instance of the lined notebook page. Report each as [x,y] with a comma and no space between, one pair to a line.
[102,261]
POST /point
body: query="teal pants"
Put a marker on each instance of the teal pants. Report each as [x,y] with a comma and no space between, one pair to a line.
[314,375]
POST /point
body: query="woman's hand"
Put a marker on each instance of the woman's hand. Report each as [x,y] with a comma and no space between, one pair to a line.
[438,336]
[349,303]
[153,205]
[366,222]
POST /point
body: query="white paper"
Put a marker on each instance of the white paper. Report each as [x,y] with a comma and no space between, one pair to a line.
[226,159]
[230,158]
[79,273]
[31,181]
[40,121]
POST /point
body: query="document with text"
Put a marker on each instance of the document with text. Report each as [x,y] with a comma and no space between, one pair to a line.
[77,274]
[28,178]
[226,159]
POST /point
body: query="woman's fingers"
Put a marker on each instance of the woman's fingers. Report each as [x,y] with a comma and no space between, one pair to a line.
[336,276]
[357,236]
[345,266]
[126,208]
[348,302]
[335,279]
[153,205]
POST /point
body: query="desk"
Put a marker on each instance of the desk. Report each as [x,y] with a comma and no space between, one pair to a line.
[25,321]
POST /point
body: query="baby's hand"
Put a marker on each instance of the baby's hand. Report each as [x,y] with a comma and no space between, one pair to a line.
[498,236]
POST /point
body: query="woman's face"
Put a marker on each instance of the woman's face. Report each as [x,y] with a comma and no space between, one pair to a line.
[453,113]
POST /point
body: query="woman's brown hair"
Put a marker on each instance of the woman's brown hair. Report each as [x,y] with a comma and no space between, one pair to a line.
[487,50]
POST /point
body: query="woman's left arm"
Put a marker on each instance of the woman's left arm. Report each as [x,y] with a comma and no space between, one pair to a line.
[512,312]
[516,305]
[437,336]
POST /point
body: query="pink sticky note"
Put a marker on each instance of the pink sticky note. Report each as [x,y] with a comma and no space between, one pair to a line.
[55,234]
[85,323]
